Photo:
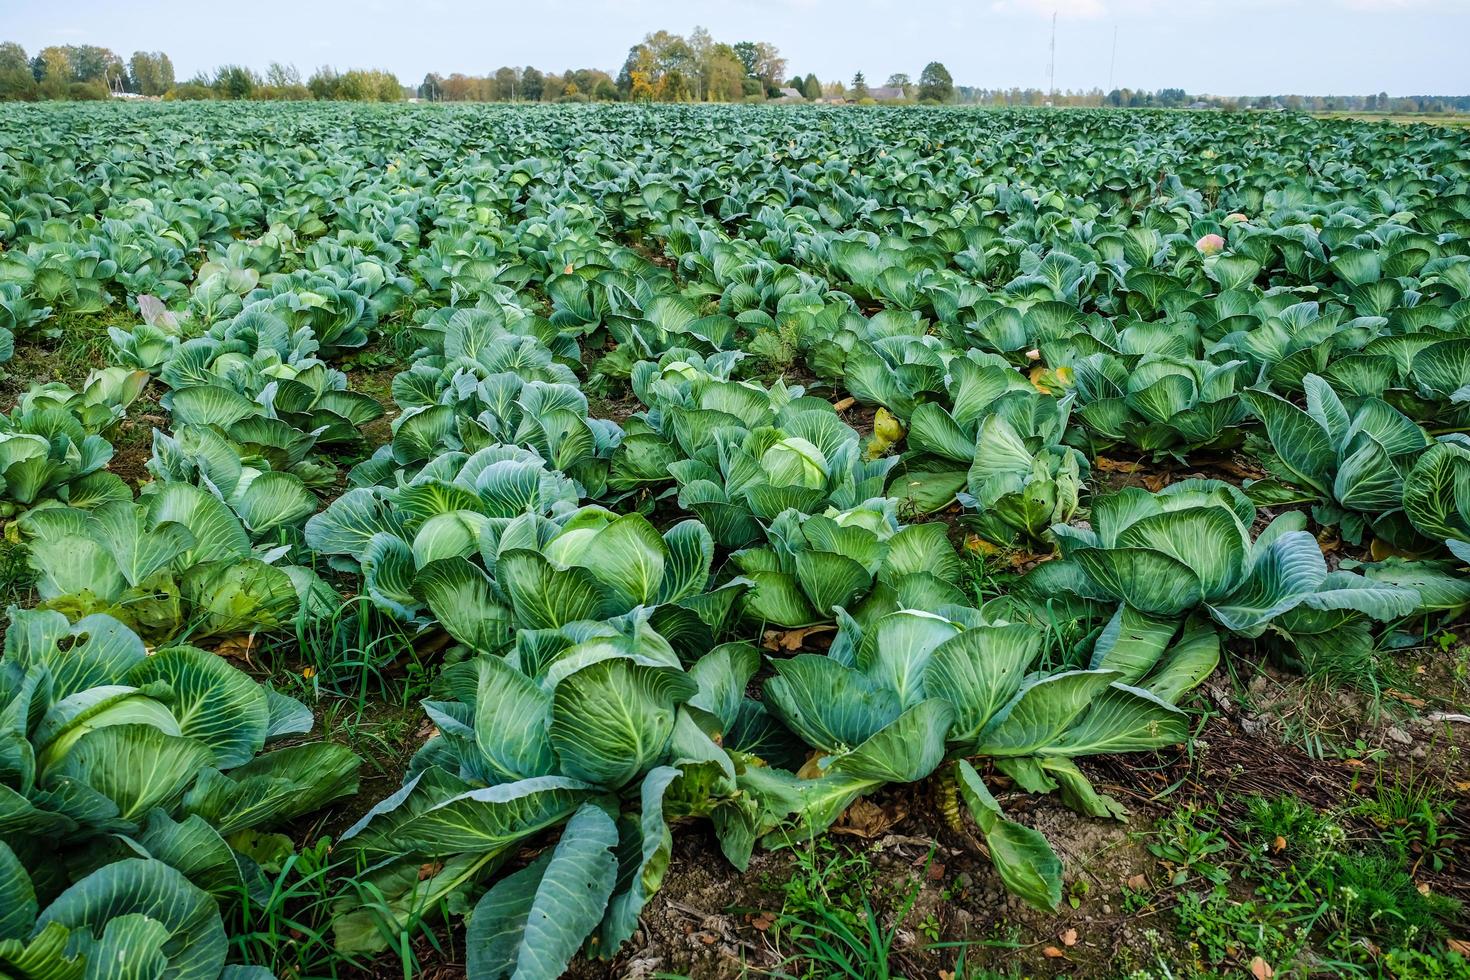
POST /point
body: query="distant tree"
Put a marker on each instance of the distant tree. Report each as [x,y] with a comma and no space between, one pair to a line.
[143,73]
[749,56]
[507,84]
[935,83]
[724,75]
[899,80]
[235,82]
[16,81]
[282,76]
[769,66]
[700,43]
[13,57]
[674,87]
[165,70]
[813,88]
[323,82]
[90,63]
[605,90]
[431,89]
[859,87]
[532,82]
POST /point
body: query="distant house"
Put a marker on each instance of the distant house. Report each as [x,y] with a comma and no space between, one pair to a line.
[887,93]
[789,94]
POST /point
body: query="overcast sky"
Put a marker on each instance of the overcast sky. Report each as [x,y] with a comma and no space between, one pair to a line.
[1405,47]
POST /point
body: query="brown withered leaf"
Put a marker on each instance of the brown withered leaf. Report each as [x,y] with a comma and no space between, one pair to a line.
[844,404]
[239,647]
[812,767]
[1138,882]
[429,870]
[868,820]
[793,640]
[1279,844]
[1461,946]
[1068,937]
[1262,970]
[1052,953]
[1105,465]
[1155,482]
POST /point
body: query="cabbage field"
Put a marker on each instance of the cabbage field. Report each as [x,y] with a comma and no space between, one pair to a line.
[430,531]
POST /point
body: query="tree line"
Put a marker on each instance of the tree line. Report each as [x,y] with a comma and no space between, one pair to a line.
[663,67]
[85,71]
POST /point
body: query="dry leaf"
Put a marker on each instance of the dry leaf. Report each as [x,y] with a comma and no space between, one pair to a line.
[845,404]
[1138,883]
[1105,465]
[946,975]
[238,647]
[427,871]
[1052,953]
[1155,482]
[763,921]
[812,767]
[793,640]
[977,545]
[1408,699]
[1423,887]
[1279,844]
[1460,946]
[868,820]
[1068,937]
[1261,970]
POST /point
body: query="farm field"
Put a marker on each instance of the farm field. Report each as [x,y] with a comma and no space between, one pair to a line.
[732,541]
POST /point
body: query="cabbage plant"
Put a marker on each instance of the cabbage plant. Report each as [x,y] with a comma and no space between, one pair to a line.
[813,567]
[134,782]
[176,562]
[53,445]
[1352,463]
[1189,549]
[1160,404]
[591,729]
[998,451]
[892,701]
[740,478]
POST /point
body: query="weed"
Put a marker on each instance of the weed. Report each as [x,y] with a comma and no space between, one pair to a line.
[1187,843]
[828,926]
[1372,895]
[1412,813]
[776,349]
[1286,824]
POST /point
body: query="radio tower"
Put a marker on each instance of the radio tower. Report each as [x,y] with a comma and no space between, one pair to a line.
[1113,61]
[1051,69]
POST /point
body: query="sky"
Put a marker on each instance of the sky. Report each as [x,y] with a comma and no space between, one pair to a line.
[1223,47]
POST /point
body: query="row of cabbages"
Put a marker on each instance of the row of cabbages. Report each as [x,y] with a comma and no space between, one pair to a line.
[1011,312]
